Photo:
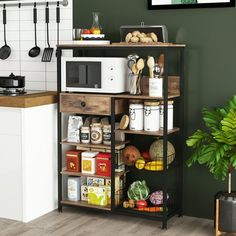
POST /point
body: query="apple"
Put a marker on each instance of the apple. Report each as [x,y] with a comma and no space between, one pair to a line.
[146,155]
[87,31]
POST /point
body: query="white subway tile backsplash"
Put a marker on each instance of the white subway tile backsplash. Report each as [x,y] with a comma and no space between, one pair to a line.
[51,76]
[35,85]
[51,86]
[20,37]
[34,76]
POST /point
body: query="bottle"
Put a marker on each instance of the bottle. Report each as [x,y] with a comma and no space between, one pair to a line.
[96,28]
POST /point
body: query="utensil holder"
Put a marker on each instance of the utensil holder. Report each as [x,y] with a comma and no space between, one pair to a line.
[135,84]
[155,87]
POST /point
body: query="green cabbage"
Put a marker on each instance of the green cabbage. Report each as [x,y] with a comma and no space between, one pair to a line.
[138,190]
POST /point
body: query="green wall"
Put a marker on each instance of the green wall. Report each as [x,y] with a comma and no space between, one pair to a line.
[210,35]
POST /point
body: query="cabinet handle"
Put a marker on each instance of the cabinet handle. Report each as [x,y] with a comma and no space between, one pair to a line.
[82,104]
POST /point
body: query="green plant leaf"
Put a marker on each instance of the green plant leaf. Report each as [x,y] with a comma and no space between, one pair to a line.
[198,138]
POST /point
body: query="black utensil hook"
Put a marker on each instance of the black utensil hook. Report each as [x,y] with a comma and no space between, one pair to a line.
[47,22]
[4,14]
[35,24]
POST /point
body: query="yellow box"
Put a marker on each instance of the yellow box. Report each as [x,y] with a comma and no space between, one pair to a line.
[97,195]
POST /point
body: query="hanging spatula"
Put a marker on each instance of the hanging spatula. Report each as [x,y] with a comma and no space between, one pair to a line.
[47,53]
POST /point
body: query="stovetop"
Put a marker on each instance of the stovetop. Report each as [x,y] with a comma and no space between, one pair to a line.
[17,92]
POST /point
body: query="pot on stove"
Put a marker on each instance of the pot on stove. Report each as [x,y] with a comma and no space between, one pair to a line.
[12,81]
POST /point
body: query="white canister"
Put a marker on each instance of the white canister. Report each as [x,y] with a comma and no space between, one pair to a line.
[136,116]
[151,116]
[73,188]
[170,115]
[155,87]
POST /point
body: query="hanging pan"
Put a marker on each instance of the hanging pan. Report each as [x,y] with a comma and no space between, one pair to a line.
[5,50]
[47,53]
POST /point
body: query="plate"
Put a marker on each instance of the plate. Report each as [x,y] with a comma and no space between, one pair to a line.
[93,36]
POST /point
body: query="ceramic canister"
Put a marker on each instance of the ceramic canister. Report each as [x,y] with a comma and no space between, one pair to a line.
[170,115]
[136,116]
[151,116]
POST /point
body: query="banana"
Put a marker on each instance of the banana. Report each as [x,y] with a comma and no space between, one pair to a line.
[154,166]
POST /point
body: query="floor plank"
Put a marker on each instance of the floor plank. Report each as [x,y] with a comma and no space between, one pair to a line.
[73,222]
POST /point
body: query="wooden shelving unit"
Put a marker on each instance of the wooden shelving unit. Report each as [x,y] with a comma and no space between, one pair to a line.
[113,106]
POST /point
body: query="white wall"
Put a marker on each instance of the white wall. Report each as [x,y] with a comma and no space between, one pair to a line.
[20,37]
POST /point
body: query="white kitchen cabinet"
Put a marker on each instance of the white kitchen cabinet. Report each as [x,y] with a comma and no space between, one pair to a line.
[28,162]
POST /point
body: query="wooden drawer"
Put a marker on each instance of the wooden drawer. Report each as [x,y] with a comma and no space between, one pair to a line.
[90,104]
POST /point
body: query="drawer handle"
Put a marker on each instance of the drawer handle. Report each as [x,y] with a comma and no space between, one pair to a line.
[82,104]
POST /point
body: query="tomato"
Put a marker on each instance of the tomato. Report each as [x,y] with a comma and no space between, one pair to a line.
[146,155]
[87,31]
[141,203]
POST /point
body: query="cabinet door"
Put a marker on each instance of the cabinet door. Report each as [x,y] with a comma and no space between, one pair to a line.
[10,177]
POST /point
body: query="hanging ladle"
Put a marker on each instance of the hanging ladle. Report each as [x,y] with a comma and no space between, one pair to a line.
[35,51]
[5,50]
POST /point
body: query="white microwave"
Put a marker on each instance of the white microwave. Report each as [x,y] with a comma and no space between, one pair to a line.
[94,74]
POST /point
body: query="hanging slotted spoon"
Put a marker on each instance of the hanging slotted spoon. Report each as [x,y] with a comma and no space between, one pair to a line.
[47,53]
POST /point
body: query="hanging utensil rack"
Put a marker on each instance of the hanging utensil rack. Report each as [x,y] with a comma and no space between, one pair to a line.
[31,3]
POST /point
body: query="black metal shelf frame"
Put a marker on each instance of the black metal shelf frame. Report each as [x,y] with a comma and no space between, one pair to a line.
[165,215]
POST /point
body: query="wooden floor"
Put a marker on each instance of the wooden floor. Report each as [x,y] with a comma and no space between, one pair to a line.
[73,222]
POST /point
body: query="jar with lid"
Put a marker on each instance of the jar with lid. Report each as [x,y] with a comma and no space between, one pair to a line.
[136,115]
[85,134]
[96,133]
[151,116]
[170,114]
[107,134]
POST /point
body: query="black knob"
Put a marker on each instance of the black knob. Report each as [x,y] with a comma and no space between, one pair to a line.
[82,104]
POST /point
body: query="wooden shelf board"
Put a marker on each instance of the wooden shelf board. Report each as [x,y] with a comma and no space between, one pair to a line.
[118,145]
[64,172]
[85,204]
[151,133]
[122,45]
[144,96]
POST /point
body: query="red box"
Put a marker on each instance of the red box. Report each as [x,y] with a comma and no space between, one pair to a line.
[73,161]
[104,164]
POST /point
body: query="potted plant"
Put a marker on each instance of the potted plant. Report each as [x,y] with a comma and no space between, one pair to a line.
[216,148]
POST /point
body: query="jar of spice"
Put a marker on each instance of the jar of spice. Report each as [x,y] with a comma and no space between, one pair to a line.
[136,115]
[96,133]
[85,134]
[107,134]
[151,116]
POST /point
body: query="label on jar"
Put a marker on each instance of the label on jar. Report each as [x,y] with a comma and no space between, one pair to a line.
[84,136]
[96,136]
[107,136]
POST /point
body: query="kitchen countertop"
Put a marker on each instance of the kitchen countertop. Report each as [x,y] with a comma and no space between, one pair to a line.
[30,99]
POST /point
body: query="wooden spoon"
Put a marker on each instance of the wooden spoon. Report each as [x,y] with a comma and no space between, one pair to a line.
[134,69]
[160,62]
[150,64]
[140,65]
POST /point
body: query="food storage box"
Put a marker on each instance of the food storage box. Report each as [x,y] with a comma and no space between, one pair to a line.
[73,159]
[92,181]
[84,193]
[73,188]
[89,162]
[159,30]
[104,164]
[98,195]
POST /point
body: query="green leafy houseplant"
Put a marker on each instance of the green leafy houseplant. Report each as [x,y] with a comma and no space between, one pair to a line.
[216,147]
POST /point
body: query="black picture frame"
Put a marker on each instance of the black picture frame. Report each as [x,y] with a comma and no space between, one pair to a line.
[152,6]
